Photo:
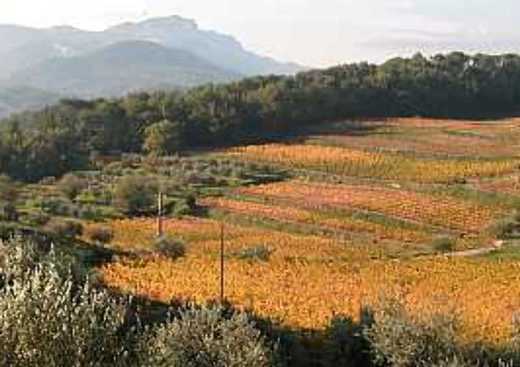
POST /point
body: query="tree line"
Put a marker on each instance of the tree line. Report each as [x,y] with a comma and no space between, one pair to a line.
[68,135]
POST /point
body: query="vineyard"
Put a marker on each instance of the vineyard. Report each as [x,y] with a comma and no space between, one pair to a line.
[389,166]
[364,209]
[430,138]
[306,294]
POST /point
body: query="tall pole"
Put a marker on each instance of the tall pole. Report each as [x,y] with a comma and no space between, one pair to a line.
[222,262]
[159,214]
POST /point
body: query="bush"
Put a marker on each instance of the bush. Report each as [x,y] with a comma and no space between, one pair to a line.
[185,206]
[345,342]
[67,229]
[398,339]
[8,195]
[59,206]
[71,186]
[135,195]
[48,321]
[503,229]
[207,337]
[6,231]
[8,190]
[113,169]
[38,218]
[259,253]
[100,234]
[8,212]
[90,213]
[444,244]
[170,247]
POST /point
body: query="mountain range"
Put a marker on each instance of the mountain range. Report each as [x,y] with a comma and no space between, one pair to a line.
[39,66]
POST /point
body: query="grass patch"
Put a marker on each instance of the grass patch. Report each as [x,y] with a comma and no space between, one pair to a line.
[507,253]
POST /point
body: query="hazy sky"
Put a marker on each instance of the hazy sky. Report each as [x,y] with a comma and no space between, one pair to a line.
[311,32]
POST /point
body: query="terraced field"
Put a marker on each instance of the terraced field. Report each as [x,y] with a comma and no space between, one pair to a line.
[369,209]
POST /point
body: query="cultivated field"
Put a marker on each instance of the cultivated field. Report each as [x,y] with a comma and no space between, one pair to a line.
[368,209]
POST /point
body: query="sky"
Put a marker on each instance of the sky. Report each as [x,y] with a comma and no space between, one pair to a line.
[314,33]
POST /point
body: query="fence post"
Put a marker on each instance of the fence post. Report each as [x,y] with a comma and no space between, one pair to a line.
[159,214]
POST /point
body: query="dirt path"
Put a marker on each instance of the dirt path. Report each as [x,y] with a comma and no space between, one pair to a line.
[497,245]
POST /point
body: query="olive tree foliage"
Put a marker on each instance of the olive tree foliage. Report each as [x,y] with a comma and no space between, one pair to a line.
[47,319]
[8,190]
[207,337]
[135,195]
[8,195]
[163,138]
[71,186]
[400,339]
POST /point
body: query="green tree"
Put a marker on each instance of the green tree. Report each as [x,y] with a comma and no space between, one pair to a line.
[163,138]
[48,319]
[135,195]
[71,185]
[208,337]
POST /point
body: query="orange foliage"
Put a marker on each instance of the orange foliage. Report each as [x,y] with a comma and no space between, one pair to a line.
[316,218]
[358,163]
[436,210]
[308,294]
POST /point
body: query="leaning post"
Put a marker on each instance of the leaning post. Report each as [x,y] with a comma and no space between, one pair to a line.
[160,214]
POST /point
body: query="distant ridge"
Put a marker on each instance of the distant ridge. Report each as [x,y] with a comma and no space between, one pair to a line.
[121,68]
[168,52]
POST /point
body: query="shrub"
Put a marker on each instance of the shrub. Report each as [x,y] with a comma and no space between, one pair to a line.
[8,212]
[345,343]
[503,229]
[47,321]
[170,247]
[8,190]
[444,244]
[59,206]
[113,169]
[89,212]
[185,206]
[8,195]
[67,229]
[515,216]
[135,195]
[38,218]
[259,253]
[208,337]
[71,186]
[398,339]
[101,234]
[6,231]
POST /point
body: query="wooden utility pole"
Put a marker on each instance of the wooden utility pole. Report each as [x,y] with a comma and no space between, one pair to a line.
[222,263]
[160,214]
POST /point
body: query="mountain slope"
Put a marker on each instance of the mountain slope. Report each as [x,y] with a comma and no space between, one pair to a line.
[222,50]
[121,68]
[24,47]
[156,53]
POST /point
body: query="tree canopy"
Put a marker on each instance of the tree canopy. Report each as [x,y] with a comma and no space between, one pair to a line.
[452,85]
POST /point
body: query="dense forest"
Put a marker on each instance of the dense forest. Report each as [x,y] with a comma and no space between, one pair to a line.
[68,135]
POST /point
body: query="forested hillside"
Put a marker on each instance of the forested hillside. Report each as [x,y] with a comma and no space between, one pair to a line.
[69,133]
